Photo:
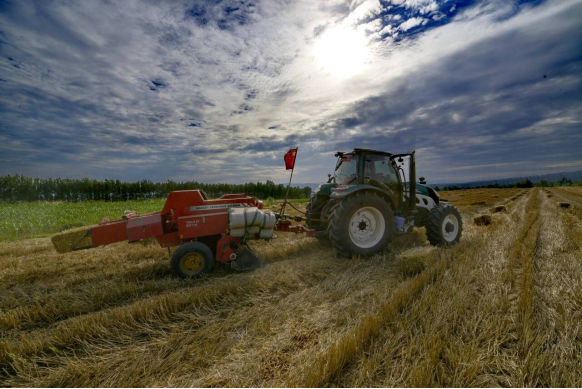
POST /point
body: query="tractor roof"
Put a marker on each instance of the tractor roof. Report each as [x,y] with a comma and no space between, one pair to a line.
[358,150]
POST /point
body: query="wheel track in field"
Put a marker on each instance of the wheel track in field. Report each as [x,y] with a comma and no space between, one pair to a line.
[554,361]
[522,275]
[113,289]
[326,366]
[225,353]
[453,260]
[573,199]
[241,302]
[160,309]
[567,196]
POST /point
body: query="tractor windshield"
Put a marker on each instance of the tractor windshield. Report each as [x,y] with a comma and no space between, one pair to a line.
[346,171]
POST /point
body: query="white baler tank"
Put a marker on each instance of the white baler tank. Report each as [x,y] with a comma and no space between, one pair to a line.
[251,220]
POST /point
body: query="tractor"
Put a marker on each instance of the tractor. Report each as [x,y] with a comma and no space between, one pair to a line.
[368,201]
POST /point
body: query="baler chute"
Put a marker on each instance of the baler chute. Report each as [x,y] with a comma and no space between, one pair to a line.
[206,230]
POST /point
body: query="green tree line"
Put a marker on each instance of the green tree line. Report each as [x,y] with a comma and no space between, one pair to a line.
[21,188]
[521,184]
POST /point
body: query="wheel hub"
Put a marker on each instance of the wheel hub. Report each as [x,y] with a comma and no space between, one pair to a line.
[192,264]
[450,227]
[366,227]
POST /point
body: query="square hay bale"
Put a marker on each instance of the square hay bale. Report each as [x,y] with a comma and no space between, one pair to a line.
[564,205]
[499,208]
[483,220]
[479,203]
[75,239]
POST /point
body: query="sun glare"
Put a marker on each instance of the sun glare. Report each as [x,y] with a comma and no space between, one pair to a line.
[342,52]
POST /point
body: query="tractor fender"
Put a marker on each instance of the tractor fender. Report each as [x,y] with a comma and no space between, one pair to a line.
[341,192]
[426,202]
[324,190]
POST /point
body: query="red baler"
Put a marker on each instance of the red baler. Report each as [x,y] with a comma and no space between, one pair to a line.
[199,226]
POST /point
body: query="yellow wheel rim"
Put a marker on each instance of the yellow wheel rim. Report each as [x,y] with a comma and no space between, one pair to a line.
[192,264]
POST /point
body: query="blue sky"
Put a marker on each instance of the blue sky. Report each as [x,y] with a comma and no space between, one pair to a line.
[219,90]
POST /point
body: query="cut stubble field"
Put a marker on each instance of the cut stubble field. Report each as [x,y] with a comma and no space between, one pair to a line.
[501,308]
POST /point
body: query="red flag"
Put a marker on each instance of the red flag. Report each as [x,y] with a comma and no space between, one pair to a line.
[290,159]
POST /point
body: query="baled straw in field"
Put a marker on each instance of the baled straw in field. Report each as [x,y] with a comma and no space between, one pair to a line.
[74,239]
[483,220]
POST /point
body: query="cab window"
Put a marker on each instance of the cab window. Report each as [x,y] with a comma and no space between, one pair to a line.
[379,168]
[347,170]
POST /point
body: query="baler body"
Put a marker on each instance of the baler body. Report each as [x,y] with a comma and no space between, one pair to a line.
[186,216]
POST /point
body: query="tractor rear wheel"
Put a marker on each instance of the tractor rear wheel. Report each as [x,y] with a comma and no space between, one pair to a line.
[361,224]
[444,225]
[192,260]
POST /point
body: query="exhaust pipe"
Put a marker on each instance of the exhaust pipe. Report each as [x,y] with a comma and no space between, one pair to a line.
[412,183]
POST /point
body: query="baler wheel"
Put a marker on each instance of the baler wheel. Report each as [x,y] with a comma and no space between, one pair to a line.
[192,260]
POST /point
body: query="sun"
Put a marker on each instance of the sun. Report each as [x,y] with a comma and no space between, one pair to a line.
[342,52]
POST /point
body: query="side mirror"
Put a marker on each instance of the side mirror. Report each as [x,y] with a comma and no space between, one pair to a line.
[422,181]
[329,178]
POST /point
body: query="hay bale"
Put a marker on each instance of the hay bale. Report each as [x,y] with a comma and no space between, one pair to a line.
[483,220]
[550,196]
[75,239]
[499,208]
[495,197]
[564,205]
[479,203]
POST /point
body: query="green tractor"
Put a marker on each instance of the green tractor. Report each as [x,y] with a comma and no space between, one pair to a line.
[368,201]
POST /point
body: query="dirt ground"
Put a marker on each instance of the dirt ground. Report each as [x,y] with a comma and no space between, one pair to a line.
[501,308]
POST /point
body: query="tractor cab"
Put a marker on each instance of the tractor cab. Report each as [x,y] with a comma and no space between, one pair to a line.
[366,169]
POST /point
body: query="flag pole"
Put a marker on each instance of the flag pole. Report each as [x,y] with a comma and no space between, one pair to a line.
[289,184]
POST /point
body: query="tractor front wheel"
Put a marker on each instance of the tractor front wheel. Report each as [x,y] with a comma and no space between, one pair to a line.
[361,224]
[444,225]
[192,260]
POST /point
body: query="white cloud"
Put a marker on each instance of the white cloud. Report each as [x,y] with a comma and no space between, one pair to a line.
[365,10]
[411,23]
[387,30]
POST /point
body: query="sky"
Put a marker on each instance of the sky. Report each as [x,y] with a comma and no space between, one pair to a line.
[219,90]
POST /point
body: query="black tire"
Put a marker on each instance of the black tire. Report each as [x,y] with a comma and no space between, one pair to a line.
[313,211]
[192,260]
[436,232]
[422,215]
[341,215]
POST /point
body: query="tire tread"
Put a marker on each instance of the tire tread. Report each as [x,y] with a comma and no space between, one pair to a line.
[433,224]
